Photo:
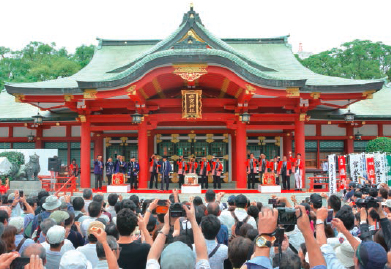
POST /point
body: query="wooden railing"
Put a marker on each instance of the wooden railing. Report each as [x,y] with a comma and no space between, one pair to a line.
[324,183]
[61,184]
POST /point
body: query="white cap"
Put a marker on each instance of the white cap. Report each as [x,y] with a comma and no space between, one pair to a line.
[74,259]
[18,223]
[55,235]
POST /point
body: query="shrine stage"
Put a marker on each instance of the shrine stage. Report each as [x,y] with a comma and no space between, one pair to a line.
[230,190]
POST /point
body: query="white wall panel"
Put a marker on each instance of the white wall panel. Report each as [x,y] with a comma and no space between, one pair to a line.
[4,131]
[310,129]
[387,129]
[23,132]
[75,131]
[55,131]
[367,130]
[333,130]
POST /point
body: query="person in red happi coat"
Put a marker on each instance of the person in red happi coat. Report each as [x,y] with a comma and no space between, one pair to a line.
[204,171]
[217,169]
[182,169]
[251,165]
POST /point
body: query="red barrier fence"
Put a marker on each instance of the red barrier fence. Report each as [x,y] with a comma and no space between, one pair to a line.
[323,182]
[60,184]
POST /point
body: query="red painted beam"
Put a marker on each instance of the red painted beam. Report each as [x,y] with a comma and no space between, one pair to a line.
[270,127]
[114,128]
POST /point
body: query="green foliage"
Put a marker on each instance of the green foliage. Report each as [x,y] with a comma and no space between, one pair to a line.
[359,59]
[382,144]
[38,62]
[16,159]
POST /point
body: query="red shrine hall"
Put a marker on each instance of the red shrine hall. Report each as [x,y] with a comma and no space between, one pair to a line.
[196,95]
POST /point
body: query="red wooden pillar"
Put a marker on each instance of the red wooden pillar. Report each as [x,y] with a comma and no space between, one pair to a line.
[241,155]
[300,144]
[98,146]
[233,154]
[287,144]
[143,155]
[350,139]
[85,162]
[38,140]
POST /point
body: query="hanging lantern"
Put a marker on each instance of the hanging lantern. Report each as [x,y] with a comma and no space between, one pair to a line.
[357,136]
[38,119]
[30,138]
[137,118]
[245,117]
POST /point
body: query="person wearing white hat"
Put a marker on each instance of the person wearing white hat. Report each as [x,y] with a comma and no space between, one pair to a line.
[20,242]
[51,204]
[74,259]
[55,237]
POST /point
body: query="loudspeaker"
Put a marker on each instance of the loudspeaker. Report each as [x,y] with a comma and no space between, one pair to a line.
[54,164]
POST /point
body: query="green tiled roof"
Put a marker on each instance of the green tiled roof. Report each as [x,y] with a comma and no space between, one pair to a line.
[264,62]
[378,106]
[11,111]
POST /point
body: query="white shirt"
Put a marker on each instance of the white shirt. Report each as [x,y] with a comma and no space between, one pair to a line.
[86,204]
[67,246]
[84,225]
[89,251]
[241,213]
[217,260]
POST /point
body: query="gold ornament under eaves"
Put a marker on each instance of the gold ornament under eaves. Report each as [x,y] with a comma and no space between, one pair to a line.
[190,72]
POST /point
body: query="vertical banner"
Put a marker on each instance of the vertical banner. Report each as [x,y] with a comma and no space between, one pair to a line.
[356,165]
[370,164]
[380,167]
[332,175]
[342,170]
[388,169]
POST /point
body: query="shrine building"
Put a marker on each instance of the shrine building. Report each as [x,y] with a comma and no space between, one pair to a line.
[196,95]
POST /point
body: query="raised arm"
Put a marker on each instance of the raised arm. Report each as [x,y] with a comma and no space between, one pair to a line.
[143,229]
[158,245]
[110,257]
[199,240]
[303,222]
[338,224]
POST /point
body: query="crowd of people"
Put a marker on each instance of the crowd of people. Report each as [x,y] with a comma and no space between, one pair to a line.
[214,231]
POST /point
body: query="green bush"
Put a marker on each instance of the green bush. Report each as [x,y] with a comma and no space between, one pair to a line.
[16,159]
[382,144]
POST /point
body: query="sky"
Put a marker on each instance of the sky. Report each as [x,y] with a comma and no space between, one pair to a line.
[319,25]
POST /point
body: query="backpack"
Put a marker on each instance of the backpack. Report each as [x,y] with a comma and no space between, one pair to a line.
[28,230]
[37,232]
[239,223]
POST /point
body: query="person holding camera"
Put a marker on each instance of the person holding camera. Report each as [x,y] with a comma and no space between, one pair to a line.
[267,224]
[178,254]
[165,169]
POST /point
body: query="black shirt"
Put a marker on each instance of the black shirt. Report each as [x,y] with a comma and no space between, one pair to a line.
[133,256]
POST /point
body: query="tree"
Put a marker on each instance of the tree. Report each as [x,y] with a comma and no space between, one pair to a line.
[38,61]
[83,54]
[382,144]
[358,59]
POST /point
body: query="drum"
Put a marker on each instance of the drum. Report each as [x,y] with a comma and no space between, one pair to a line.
[268,179]
[118,179]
